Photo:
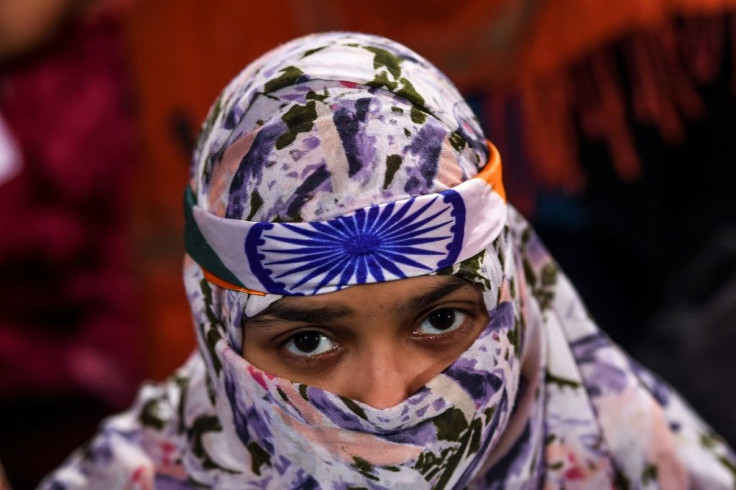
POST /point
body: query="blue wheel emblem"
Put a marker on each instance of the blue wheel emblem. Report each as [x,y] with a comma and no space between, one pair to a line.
[392,241]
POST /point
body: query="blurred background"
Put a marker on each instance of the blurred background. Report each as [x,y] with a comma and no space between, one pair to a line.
[616,121]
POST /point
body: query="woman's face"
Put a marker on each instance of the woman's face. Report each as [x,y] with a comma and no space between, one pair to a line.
[375,343]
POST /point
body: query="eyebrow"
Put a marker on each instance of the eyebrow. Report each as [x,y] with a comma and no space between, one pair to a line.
[281,311]
[434,293]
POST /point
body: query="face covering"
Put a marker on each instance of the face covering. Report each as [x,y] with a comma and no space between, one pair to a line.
[364,167]
[343,159]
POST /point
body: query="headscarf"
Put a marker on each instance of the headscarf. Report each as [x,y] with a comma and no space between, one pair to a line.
[343,159]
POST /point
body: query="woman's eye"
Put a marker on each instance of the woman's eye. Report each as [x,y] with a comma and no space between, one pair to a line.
[442,321]
[309,343]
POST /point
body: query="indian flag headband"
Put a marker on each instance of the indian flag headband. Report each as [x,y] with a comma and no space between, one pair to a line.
[383,242]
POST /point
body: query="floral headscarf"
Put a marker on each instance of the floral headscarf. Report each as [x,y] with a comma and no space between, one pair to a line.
[341,159]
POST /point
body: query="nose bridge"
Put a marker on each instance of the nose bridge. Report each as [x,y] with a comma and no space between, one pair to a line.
[386,376]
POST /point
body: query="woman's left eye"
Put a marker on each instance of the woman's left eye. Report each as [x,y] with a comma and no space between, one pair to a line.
[442,320]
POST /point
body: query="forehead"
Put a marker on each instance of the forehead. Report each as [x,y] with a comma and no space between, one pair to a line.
[400,293]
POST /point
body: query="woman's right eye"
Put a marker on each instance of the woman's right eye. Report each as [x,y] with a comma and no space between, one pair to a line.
[309,343]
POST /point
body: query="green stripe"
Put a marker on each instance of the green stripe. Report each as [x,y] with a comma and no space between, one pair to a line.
[197,247]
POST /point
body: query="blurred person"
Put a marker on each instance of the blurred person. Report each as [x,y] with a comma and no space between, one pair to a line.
[68,333]
[4,485]
[343,167]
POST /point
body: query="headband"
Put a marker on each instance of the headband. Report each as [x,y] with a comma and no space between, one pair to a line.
[396,240]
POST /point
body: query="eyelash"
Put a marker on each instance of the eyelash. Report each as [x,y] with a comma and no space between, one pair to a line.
[429,339]
[307,360]
[452,334]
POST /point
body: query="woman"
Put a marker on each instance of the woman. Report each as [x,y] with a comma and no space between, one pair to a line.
[371,313]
